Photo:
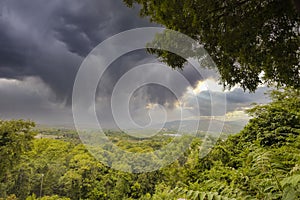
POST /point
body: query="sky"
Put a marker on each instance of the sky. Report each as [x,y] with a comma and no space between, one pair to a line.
[43,43]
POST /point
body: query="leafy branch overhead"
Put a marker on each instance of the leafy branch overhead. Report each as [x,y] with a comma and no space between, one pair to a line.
[251,41]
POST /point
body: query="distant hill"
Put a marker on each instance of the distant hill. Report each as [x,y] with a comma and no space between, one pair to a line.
[216,125]
[186,125]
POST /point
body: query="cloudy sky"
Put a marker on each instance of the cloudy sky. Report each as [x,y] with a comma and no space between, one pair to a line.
[43,43]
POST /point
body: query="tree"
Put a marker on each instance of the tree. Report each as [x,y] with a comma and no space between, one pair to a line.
[251,41]
[274,123]
[15,139]
[260,162]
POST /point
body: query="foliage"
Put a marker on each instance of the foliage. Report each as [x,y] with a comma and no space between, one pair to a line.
[15,139]
[260,162]
[245,38]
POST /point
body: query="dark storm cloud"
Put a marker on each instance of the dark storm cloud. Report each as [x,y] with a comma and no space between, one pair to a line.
[154,93]
[49,39]
[236,99]
[83,24]
[29,99]
[238,96]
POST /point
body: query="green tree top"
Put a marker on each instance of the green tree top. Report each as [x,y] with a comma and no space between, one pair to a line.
[251,41]
[277,122]
[15,138]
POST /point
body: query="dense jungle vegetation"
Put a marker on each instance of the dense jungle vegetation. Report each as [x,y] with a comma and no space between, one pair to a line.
[260,162]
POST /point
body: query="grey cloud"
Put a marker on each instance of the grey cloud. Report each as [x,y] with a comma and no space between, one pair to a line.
[83,25]
[236,99]
[152,93]
[30,99]
[48,39]
[238,96]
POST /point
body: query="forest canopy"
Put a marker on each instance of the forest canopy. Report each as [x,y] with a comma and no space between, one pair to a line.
[260,162]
